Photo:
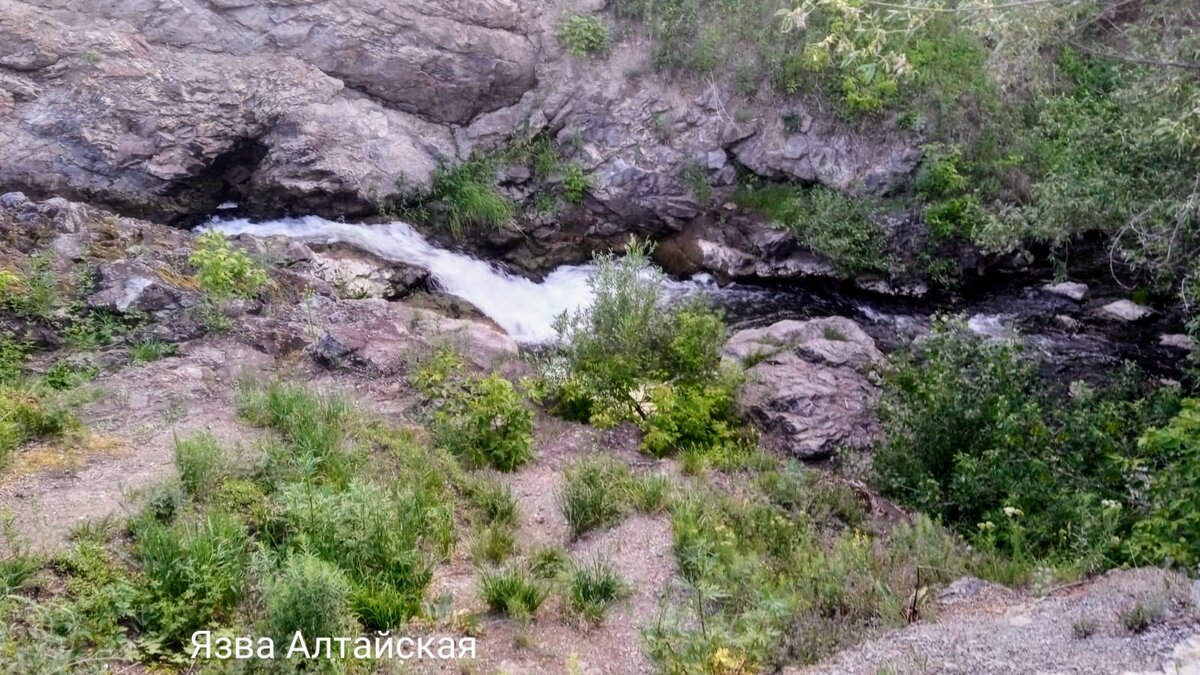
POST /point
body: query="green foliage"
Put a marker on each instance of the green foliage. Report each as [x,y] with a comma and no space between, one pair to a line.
[33,292]
[762,586]
[973,437]
[512,591]
[223,272]
[468,194]
[309,596]
[194,575]
[575,183]
[628,357]
[1170,455]
[66,374]
[594,494]
[12,358]
[481,420]
[494,502]
[200,461]
[145,351]
[584,36]
[313,425]
[28,412]
[591,588]
[377,536]
[833,225]
[1144,613]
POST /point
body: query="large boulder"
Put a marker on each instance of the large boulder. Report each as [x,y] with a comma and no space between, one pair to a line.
[807,385]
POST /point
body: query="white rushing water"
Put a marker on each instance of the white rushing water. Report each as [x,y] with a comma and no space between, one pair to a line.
[524,308]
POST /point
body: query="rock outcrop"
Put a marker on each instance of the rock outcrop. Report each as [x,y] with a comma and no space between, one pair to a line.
[168,109]
[807,385]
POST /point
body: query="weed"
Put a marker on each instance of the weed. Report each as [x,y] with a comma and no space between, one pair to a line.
[575,183]
[584,35]
[1083,629]
[512,591]
[201,464]
[310,596]
[591,588]
[594,494]
[224,272]
[145,351]
[1144,613]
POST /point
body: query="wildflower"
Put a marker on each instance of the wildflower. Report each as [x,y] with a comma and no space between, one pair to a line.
[986,526]
[1013,512]
[1110,504]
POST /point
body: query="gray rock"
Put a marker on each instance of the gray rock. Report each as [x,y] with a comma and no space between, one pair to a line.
[807,386]
[1125,310]
[131,287]
[1177,341]
[11,200]
[1068,289]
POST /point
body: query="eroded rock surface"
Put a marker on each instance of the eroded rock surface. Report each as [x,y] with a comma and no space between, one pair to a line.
[169,109]
[807,385]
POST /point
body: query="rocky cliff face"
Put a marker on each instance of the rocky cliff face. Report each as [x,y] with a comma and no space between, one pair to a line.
[167,108]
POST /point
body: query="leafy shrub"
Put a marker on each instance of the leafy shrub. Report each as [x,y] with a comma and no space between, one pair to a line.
[481,420]
[575,183]
[65,374]
[548,563]
[194,575]
[201,463]
[833,225]
[584,35]
[512,591]
[594,494]
[33,292]
[972,436]
[695,419]
[224,272]
[1170,455]
[1144,613]
[310,596]
[492,544]
[313,425]
[615,358]
[591,588]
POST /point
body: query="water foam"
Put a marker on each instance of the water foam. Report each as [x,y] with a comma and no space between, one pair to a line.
[524,308]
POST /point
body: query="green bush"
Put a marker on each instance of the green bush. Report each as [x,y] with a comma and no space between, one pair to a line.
[146,351]
[616,357]
[310,596]
[481,420]
[12,358]
[194,575]
[224,272]
[494,502]
[833,225]
[1170,456]
[584,35]
[973,437]
[575,183]
[314,427]
[594,494]
[512,591]
[591,588]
